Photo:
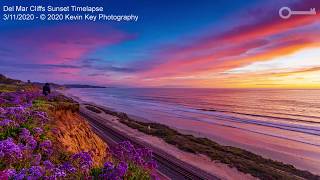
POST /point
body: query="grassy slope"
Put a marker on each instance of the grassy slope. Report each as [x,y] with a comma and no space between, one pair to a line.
[73,134]
[243,160]
[70,133]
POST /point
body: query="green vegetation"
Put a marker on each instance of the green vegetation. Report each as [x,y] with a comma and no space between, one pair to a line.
[56,102]
[93,109]
[7,88]
[29,146]
[243,160]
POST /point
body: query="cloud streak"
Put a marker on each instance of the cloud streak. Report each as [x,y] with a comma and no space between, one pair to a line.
[266,38]
[206,57]
[59,49]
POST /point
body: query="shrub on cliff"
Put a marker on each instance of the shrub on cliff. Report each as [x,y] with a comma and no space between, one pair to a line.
[27,149]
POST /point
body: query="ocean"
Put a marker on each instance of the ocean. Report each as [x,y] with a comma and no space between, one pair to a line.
[292,115]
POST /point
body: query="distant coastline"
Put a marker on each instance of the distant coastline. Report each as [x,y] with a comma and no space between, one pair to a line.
[82,86]
[6,80]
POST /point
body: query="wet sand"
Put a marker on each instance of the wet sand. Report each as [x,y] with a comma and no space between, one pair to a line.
[302,156]
[219,170]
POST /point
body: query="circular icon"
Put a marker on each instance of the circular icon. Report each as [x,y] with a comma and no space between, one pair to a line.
[43,17]
[283,14]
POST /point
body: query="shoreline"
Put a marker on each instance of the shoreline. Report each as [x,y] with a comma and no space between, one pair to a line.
[282,150]
[220,170]
[203,162]
[302,156]
[143,120]
[169,165]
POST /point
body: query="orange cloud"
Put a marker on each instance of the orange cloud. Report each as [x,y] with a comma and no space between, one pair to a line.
[261,41]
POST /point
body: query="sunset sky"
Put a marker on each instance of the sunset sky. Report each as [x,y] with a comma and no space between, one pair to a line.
[218,44]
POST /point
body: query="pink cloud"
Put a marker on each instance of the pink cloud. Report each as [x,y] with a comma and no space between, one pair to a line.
[267,37]
[58,50]
[63,43]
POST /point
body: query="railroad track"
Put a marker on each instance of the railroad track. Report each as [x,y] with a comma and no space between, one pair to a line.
[168,165]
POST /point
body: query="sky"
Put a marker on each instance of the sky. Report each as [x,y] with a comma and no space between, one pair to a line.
[199,44]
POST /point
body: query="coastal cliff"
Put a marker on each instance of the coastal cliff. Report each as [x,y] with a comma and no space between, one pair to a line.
[44,137]
[75,134]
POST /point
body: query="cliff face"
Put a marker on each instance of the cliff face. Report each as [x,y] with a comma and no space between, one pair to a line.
[76,135]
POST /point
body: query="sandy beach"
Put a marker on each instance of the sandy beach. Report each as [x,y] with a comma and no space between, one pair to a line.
[187,89]
[301,155]
[203,162]
[219,170]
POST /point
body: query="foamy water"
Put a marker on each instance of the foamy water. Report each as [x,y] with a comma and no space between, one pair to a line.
[287,114]
[283,125]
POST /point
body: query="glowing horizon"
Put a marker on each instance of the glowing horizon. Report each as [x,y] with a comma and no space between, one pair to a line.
[246,45]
